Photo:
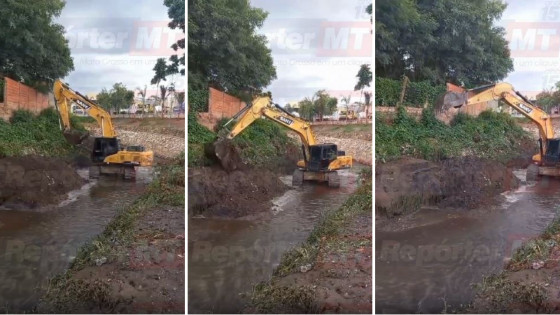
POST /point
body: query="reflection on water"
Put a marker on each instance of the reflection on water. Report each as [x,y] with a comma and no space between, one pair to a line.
[431,267]
[227,257]
[40,243]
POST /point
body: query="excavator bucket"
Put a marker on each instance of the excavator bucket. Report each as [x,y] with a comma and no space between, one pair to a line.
[75,137]
[224,152]
[449,100]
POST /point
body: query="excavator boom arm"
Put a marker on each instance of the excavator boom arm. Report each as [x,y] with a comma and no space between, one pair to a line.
[262,107]
[64,96]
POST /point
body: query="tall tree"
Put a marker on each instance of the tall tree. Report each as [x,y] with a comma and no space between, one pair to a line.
[224,48]
[364,79]
[441,40]
[117,98]
[176,11]
[160,74]
[32,45]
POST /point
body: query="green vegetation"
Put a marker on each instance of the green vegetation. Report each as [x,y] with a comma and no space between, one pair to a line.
[231,34]
[117,98]
[500,295]
[537,249]
[388,92]
[270,297]
[198,100]
[441,41]
[263,143]
[41,53]
[198,136]
[28,134]
[491,135]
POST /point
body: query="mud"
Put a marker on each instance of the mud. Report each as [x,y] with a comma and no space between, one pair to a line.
[224,152]
[404,185]
[32,181]
[341,275]
[214,192]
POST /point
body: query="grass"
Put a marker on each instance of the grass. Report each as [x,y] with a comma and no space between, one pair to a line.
[268,297]
[537,249]
[498,294]
[66,292]
[27,134]
[490,135]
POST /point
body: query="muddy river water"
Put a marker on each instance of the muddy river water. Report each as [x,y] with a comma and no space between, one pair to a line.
[40,243]
[228,257]
[429,265]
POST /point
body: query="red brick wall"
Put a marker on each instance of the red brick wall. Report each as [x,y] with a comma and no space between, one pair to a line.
[20,96]
[222,105]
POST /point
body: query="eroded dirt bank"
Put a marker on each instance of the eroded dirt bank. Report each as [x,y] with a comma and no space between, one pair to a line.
[402,186]
[136,265]
[330,272]
[213,192]
[32,181]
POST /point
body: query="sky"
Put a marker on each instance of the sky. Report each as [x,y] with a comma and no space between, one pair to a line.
[117,41]
[533,32]
[316,45]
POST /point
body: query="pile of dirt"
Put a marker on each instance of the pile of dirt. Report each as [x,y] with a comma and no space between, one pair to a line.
[214,192]
[404,185]
[35,181]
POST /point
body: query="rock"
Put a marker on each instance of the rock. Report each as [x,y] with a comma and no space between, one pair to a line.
[305,268]
[538,264]
[100,261]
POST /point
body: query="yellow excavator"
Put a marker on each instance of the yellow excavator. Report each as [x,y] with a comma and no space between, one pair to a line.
[547,161]
[320,161]
[108,156]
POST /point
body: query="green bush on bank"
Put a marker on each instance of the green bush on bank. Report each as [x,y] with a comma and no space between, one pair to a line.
[388,92]
[28,134]
[198,100]
[491,135]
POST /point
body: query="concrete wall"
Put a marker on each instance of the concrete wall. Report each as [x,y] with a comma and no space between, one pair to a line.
[20,96]
[222,105]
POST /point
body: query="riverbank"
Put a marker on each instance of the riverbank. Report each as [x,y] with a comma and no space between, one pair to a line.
[137,264]
[530,281]
[331,270]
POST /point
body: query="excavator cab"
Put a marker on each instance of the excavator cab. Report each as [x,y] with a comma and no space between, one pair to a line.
[321,156]
[103,147]
[552,154]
